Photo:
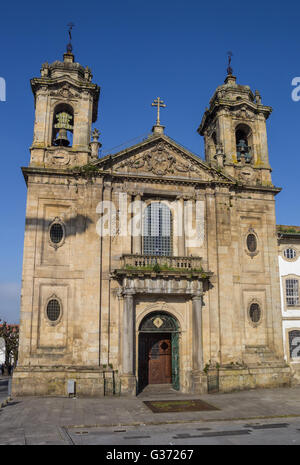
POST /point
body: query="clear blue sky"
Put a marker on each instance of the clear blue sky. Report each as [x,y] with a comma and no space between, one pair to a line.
[139,50]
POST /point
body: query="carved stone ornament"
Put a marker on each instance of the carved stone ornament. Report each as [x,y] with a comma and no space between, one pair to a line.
[244,113]
[159,162]
[66,92]
[247,175]
[58,157]
[158,322]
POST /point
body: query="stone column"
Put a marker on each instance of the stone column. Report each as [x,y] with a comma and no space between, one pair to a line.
[197,331]
[198,377]
[128,362]
[137,238]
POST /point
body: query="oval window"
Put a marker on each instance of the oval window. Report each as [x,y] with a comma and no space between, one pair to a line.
[53,310]
[254,313]
[56,233]
[251,242]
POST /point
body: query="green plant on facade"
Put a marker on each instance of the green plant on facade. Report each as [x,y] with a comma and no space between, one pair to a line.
[288,229]
[157,268]
[211,366]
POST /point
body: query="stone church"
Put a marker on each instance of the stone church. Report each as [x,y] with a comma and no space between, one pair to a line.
[149,266]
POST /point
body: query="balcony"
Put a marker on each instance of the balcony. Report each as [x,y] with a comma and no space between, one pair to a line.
[161,275]
[154,265]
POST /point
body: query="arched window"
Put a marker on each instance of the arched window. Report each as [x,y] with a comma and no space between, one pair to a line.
[157,229]
[243,137]
[63,123]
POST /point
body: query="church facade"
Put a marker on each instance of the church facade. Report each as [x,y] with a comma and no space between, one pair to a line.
[150,265]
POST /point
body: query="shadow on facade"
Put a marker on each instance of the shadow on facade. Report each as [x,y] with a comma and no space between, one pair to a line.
[77,224]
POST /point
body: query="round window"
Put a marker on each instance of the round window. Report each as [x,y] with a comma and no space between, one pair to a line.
[251,242]
[56,233]
[255,313]
[53,310]
[289,253]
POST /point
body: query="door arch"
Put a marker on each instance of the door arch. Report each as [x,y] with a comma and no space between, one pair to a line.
[158,355]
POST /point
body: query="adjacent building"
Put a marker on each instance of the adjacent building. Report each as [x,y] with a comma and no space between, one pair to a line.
[289,269]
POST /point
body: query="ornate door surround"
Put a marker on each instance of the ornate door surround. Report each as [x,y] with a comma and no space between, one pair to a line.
[158,360]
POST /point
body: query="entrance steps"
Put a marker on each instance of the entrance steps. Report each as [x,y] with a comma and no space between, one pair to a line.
[159,390]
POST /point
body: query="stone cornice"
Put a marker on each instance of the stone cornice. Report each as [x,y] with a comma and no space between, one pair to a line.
[217,104]
[58,82]
[76,174]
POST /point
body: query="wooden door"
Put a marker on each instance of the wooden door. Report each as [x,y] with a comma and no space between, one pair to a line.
[159,359]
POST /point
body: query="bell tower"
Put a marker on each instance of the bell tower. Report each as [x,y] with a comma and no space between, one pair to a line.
[234,130]
[66,105]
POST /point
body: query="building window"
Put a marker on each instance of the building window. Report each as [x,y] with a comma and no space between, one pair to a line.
[294,344]
[255,313]
[53,310]
[56,233]
[157,234]
[289,253]
[251,243]
[292,292]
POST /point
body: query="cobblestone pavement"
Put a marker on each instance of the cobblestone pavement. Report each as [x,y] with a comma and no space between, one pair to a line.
[246,417]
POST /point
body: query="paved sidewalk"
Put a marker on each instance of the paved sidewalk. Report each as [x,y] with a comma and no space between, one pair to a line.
[3,388]
[42,420]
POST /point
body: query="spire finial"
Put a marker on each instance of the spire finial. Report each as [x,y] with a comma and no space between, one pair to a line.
[69,45]
[229,69]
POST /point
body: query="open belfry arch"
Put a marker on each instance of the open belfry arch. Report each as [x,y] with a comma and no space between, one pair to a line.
[150,265]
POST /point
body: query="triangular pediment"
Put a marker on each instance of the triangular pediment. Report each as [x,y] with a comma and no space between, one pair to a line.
[161,157]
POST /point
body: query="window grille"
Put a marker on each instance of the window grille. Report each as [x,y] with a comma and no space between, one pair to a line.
[157,237]
[292,292]
[53,310]
[289,253]
[56,233]
[251,243]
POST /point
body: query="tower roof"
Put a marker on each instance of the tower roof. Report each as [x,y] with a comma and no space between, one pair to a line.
[67,74]
[230,96]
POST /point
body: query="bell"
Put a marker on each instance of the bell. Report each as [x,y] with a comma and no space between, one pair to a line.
[242,146]
[62,138]
[243,149]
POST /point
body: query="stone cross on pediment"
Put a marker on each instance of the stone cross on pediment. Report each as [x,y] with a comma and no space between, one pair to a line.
[159,104]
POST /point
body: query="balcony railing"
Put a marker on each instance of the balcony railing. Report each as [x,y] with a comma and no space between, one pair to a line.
[133,261]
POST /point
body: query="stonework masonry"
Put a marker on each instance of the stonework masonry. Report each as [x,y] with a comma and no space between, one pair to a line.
[213,297]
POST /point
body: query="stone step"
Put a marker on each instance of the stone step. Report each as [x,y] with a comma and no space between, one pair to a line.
[260,354]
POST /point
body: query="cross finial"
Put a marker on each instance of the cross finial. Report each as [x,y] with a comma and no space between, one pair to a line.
[158,103]
[69,46]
